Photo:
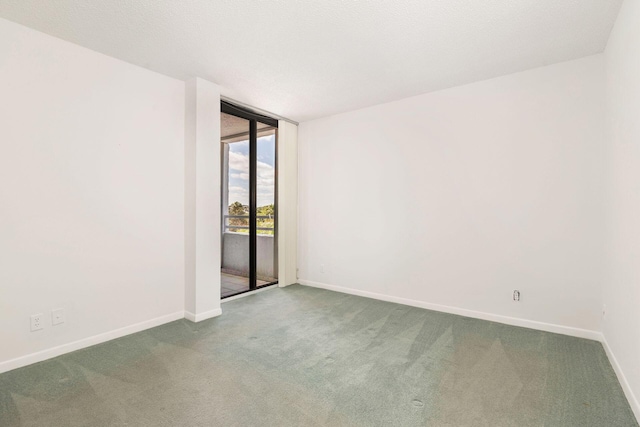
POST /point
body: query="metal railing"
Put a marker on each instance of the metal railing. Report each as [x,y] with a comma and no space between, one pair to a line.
[228,226]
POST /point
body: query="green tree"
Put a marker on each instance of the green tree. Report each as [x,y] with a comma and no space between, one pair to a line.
[266,218]
[267,210]
[238,209]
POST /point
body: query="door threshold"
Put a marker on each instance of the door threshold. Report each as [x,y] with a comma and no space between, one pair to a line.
[247,293]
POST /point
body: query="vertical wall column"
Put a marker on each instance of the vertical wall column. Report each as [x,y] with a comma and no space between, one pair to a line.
[202,200]
[287,203]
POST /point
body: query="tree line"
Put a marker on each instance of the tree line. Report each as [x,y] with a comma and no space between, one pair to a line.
[238,209]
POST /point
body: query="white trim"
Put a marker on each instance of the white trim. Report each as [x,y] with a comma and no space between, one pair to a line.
[287,218]
[622,379]
[199,317]
[49,353]
[548,327]
[246,294]
[514,321]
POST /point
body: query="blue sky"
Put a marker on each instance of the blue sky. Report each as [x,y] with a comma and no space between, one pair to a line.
[239,171]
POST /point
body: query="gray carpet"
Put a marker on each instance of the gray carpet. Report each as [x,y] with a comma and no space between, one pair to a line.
[307,357]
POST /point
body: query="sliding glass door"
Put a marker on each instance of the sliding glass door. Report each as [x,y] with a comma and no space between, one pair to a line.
[249,193]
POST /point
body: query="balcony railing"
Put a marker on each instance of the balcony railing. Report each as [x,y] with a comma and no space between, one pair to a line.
[235,248]
[228,227]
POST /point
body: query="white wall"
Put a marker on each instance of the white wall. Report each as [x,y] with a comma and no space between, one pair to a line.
[458,197]
[91,194]
[621,295]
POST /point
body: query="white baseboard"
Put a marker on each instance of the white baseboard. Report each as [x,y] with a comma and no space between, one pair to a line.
[40,356]
[514,321]
[633,401]
[199,317]
[548,327]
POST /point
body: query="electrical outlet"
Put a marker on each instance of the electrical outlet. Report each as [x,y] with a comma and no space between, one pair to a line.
[604,311]
[516,295]
[57,316]
[36,322]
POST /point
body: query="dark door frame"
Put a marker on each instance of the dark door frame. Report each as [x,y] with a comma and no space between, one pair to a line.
[253,118]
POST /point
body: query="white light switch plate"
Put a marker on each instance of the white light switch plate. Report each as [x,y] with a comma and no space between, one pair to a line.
[57,316]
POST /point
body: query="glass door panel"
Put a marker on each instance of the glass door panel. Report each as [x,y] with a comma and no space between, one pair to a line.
[235,146]
[249,194]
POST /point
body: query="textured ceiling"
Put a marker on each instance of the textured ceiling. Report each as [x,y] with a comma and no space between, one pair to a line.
[307,59]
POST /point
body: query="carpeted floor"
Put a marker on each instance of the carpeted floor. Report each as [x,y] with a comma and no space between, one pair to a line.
[301,356]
